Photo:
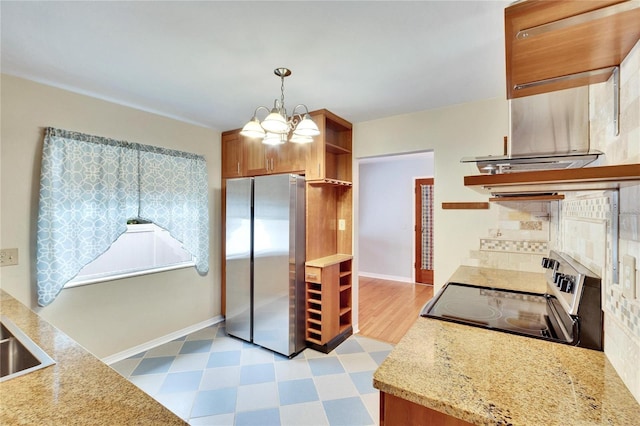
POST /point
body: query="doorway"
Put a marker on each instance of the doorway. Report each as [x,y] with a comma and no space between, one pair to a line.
[386,214]
[423,190]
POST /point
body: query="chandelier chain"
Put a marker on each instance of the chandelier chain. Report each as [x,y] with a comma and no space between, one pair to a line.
[284,111]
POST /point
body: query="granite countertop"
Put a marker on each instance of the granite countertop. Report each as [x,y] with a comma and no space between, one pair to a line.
[78,389]
[487,377]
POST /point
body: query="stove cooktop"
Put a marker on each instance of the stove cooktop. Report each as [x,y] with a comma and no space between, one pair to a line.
[570,312]
[492,308]
[498,309]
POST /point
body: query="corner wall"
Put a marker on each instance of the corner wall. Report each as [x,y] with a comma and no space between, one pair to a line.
[110,317]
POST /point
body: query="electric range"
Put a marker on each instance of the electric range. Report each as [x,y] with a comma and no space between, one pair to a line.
[569,312]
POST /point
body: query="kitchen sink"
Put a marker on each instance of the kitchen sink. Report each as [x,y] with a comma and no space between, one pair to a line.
[19,355]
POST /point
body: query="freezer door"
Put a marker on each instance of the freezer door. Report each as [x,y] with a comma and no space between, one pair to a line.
[276,281]
[238,257]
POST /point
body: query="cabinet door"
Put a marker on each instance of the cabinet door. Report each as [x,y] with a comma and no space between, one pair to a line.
[560,43]
[232,155]
[288,158]
[255,157]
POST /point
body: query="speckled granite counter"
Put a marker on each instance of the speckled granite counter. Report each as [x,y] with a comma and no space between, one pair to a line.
[78,389]
[487,377]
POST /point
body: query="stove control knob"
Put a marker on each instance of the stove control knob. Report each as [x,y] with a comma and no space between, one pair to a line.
[557,277]
[549,263]
[566,284]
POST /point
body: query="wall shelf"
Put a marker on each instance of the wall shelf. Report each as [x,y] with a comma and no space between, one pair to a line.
[533,182]
[465,206]
[335,182]
[516,198]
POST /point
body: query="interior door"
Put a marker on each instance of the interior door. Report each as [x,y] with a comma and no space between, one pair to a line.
[424,230]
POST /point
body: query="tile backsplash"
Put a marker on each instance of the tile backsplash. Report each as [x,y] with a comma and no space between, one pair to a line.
[622,314]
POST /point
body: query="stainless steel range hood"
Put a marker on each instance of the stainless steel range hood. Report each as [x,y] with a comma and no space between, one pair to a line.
[547,131]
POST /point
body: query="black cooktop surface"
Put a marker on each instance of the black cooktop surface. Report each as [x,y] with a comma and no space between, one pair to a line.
[505,310]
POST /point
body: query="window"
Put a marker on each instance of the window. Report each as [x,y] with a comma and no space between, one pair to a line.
[144,248]
[90,186]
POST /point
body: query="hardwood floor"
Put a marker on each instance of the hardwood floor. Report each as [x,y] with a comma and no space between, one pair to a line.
[387,309]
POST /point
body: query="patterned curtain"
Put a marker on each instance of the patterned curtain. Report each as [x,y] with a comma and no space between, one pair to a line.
[427,227]
[90,186]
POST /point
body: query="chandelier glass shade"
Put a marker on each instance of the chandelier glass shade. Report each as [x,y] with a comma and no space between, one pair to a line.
[277,125]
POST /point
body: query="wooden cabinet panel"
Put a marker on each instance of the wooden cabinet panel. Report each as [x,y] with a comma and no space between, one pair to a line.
[288,158]
[329,155]
[574,40]
[263,159]
[397,411]
[232,155]
[329,300]
[255,157]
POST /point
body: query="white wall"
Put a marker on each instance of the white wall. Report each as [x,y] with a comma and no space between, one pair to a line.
[386,214]
[111,317]
[451,133]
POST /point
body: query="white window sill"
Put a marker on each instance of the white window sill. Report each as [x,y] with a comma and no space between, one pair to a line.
[111,277]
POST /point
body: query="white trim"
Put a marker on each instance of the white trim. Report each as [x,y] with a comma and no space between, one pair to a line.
[161,340]
[138,273]
[386,277]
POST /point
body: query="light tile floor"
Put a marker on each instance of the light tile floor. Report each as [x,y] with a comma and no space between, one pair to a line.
[209,378]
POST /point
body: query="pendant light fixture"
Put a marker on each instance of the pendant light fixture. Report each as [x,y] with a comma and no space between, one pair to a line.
[277,125]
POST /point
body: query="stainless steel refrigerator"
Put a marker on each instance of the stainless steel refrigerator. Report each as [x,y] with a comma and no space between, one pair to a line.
[265,255]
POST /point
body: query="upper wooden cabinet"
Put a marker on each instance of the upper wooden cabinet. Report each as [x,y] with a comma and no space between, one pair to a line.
[553,45]
[329,157]
[242,156]
[232,155]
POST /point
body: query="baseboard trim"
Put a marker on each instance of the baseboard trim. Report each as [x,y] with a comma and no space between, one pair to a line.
[161,340]
[386,277]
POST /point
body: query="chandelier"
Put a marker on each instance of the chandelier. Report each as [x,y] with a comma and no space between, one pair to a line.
[277,125]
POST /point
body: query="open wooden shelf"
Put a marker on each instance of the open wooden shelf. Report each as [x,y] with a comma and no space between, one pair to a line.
[582,179]
[461,205]
[516,198]
[330,182]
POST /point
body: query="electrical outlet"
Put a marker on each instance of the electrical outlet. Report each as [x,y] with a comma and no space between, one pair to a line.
[342,225]
[629,276]
[9,257]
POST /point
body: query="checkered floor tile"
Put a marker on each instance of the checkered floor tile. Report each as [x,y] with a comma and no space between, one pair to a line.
[209,378]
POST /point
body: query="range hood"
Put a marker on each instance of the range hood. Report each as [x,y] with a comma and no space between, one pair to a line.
[547,131]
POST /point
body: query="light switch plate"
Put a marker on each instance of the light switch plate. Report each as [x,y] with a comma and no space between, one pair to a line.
[8,257]
[629,276]
[342,225]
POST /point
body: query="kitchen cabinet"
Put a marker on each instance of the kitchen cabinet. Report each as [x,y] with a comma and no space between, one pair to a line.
[553,45]
[264,159]
[329,156]
[328,266]
[232,155]
[397,411]
[242,156]
[328,284]
[329,233]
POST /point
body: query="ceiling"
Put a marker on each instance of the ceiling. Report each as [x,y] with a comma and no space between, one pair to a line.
[211,62]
